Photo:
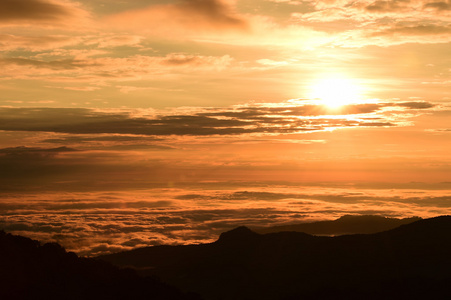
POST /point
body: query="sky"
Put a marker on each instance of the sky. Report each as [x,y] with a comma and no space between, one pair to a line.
[133,123]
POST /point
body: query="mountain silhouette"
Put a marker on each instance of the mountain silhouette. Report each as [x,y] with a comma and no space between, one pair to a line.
[29,270]
[239,234]
[412,261]
[348,224]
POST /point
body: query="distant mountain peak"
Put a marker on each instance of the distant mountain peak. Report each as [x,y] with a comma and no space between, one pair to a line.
[241,233]
[346,224]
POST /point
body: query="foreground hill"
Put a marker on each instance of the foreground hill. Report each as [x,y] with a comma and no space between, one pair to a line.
[410,262]
[29,270]
[348,224]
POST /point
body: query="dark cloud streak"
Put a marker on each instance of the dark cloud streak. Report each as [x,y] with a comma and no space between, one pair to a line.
[208,121]
[439,5]
[214,10]
[25,10]
[414,30]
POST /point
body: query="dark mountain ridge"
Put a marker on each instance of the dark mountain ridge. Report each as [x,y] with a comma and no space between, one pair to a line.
[409,262]
[348,224]
[29,270]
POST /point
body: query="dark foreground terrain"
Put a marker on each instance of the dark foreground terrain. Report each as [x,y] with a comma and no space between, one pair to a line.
[412,261]
[29,270]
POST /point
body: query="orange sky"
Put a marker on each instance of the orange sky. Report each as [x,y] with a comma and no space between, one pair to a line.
[114,96]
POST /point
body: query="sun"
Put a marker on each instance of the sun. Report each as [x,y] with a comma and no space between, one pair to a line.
[336,91]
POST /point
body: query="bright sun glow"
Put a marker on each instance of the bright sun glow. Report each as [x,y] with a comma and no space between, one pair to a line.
[336,91]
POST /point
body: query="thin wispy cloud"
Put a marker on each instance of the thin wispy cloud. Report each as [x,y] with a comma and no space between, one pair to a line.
[397,22]
[107,69]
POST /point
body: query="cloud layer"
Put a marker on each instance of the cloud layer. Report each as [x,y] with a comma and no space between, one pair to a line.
[95,223]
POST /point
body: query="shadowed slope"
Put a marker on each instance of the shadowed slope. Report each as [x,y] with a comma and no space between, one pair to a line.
[409,262]
[31,271]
